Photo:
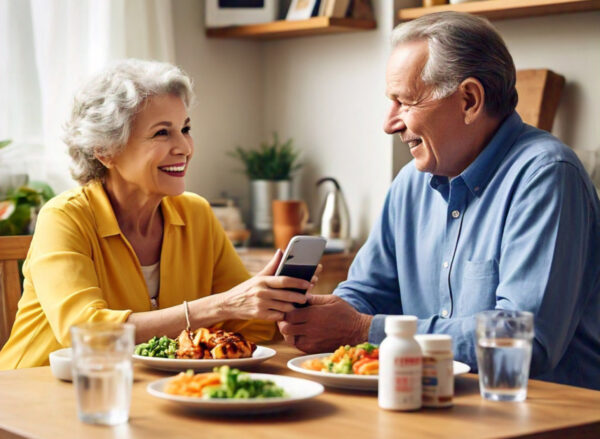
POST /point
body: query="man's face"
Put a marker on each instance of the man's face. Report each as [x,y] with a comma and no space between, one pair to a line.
[432,128]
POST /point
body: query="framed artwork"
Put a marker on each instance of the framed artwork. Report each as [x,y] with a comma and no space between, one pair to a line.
[220,13]
[302,9]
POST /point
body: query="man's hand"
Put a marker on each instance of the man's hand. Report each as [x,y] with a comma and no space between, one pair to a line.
[325,325]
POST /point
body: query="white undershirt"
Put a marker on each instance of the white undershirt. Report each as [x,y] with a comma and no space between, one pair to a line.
[152,277]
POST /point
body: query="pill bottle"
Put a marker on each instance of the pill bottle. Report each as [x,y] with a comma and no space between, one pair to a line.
[400,365]
[438,373]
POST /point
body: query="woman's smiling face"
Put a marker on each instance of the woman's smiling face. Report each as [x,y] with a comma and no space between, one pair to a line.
[156,156]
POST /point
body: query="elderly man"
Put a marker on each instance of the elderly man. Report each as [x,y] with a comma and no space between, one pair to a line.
[490,214]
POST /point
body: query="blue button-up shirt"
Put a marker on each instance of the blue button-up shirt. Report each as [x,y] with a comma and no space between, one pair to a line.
[519,229]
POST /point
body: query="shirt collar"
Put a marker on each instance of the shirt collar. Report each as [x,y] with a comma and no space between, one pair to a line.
[106,221]
[479,173]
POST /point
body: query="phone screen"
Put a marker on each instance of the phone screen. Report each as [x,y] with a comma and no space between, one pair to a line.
[301,258]
[300,271]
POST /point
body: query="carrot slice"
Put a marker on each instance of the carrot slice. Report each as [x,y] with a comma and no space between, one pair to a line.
[356,366]
[370,367]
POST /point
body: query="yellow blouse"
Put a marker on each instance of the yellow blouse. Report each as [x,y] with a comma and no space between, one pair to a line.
[81,268]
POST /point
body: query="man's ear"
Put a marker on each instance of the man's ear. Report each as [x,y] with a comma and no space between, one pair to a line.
[473,99]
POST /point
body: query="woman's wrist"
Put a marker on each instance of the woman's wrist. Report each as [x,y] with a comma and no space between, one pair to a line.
[209,310]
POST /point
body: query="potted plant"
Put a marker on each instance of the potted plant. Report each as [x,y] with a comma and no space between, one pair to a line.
[270,169]
[20,201]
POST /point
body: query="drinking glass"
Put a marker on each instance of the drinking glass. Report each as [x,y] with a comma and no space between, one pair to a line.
[503,340]
[102,371]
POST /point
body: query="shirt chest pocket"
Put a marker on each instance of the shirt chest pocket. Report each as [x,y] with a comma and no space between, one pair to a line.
[478,289]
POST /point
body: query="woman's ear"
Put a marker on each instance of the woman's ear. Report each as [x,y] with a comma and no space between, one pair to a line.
[106,161]
[473,99]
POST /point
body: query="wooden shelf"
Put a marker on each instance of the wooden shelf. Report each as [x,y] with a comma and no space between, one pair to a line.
[502,9]
[290,29]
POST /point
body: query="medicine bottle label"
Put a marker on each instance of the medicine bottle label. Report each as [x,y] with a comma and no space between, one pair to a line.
[438,382]
[407,381]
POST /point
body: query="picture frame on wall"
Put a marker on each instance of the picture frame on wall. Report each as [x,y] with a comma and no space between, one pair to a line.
[221,13]
[302,9]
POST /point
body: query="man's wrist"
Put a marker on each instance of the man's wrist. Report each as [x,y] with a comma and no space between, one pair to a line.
[363,325]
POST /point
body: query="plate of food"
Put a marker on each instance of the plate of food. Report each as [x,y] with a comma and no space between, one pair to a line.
[349,367]
[202,349]
[229,391]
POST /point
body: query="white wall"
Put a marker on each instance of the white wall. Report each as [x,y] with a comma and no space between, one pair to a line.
[568,44]
[227,78]
[327,93]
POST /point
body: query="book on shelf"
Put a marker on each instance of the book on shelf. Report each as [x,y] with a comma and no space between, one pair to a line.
[322,7]
[303,9]
[334,8]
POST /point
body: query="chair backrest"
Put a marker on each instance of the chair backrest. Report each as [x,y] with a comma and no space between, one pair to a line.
[12,250]
[539,94]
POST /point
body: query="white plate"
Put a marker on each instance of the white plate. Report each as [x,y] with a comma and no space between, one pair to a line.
[343,381]
[178,364]
[297,390]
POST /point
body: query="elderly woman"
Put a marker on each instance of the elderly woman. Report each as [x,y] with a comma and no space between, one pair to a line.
[130,244]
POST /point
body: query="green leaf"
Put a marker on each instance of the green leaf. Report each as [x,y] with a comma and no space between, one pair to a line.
[274,161]
[26,199]
[4,143]
[43,189]
[17,223]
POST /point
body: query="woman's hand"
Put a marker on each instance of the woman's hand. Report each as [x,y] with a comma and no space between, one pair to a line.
[265,296]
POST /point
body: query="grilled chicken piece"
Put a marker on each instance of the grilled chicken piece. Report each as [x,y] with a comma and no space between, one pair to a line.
[202,336]
[225,344]
[188,349]
[233,348]
[213,343]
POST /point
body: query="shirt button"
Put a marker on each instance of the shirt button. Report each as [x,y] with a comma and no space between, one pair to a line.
[455,214]
[476,188]
[444,313]
[445,264]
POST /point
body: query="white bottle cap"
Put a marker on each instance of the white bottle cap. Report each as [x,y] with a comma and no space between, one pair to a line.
[434,342]
[406,325]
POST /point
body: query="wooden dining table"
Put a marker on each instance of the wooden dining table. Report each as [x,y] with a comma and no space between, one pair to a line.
[34,404]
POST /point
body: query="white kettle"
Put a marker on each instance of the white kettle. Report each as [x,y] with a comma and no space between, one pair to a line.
[334,218]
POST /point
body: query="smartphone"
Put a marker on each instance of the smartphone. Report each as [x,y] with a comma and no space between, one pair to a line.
[301,258]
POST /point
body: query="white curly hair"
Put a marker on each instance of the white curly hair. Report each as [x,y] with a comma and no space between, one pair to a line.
[104,107]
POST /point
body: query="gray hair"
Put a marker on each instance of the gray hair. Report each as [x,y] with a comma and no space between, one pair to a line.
[462,46]
[104,108]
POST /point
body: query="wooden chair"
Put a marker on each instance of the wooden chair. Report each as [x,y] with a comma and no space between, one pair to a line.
[539,94]
[12,250]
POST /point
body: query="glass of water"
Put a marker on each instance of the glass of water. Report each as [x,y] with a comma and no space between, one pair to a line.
[504,341]
[102,371]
